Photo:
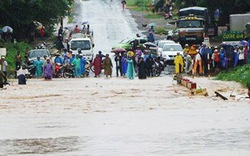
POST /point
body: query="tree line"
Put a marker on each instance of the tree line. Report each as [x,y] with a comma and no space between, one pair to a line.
[21,14]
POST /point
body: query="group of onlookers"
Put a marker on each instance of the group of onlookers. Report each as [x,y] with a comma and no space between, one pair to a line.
[206,60]
[127,64]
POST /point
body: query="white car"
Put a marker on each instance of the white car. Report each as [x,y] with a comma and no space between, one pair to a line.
[161,43]
[169,52]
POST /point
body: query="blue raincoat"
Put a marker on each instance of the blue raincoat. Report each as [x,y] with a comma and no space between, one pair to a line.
[131,69]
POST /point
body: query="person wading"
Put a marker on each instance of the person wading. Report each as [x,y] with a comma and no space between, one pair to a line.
[97,63]
[107,66]
[123,4]
[178,61]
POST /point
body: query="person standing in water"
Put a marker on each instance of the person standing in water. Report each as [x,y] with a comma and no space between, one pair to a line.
[123,4]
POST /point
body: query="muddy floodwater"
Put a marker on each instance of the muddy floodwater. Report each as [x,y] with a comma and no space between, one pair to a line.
[117,116]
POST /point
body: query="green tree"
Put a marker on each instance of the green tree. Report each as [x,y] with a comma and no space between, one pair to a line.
[20,14]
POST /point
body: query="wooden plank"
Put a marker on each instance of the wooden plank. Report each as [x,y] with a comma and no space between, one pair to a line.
[220,95]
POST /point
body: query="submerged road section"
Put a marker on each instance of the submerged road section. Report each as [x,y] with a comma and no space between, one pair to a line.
[117,116]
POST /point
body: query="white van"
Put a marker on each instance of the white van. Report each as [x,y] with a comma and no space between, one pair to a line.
[86,46]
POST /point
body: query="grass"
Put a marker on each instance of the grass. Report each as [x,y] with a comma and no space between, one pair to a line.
[12,50]
[70,19]
[161,30]
[239,74]
[153,16]
[139,5]
[71,15]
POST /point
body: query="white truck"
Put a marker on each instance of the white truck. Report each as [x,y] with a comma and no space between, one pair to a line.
[84,43]
[238,22]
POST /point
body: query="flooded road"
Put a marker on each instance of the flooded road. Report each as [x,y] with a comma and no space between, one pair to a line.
[108,21]
[117,116]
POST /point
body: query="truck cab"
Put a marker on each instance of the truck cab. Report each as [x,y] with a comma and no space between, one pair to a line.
[83,44]
[191,29]
[188,30]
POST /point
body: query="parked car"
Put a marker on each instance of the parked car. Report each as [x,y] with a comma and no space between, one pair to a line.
[161,43]
[127,44]
[33,54]
[173,35]
[170,51]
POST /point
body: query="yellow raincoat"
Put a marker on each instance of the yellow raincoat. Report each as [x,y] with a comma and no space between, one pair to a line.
[179,65]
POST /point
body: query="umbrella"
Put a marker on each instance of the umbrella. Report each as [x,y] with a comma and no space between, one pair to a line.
[149,45]
[130,54]
[86,22]
[7,29]
[118,50]
[151,24]
[38,25]
[244,43]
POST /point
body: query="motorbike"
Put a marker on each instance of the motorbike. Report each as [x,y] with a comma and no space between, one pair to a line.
[31,69]
[88,68]
[68,71]
[58,69]
[159,66]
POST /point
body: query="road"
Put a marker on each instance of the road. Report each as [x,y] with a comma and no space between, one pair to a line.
[110,23]
[117,116]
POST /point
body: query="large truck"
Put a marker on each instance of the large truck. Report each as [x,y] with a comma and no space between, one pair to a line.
[238,22]
[192,26]
[239,28]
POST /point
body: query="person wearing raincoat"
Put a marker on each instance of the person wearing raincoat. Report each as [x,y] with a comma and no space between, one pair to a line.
[97,63]
[179,65]
[186,50]
[48,70]
[130,69]
[124,64]
[246,51]
[107,66]
[141,69]
[38,64]
[197,63]
[77,64]
[82,65]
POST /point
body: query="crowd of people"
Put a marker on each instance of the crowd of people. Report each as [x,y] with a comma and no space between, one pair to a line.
[127,64]
[208,60]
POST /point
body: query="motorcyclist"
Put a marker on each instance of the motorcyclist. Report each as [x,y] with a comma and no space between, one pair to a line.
[58,59]
[58,63]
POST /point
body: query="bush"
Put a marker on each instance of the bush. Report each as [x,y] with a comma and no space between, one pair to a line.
[239,74]
[12,49]
[161,30]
